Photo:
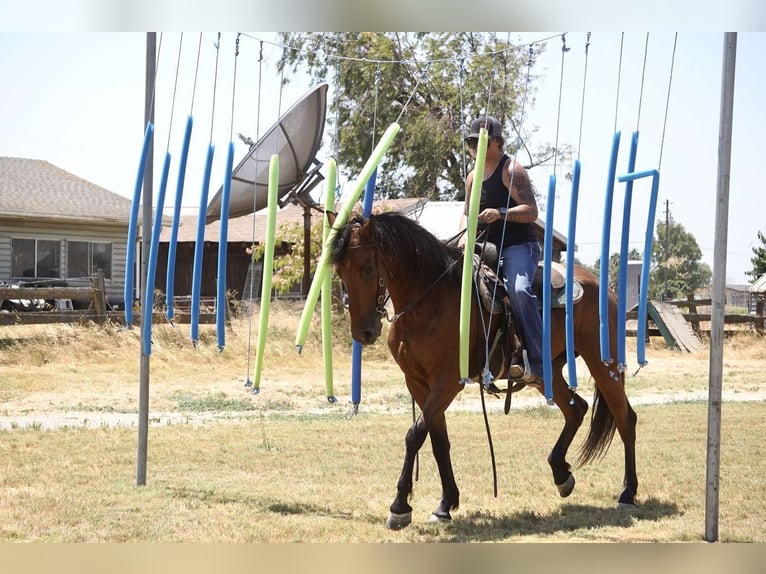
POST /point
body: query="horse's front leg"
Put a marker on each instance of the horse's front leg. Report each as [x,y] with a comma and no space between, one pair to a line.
[400,514]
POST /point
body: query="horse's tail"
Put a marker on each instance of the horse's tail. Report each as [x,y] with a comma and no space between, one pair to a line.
[601,432]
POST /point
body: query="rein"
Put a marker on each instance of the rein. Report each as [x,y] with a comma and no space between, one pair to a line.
[383,300]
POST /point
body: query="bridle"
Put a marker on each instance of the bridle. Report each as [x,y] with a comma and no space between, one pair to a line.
[383,296]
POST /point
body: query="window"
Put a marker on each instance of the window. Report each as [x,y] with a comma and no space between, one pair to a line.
[84,258]
[35,258]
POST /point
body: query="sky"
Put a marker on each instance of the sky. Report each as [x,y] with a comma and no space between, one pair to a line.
[76,100]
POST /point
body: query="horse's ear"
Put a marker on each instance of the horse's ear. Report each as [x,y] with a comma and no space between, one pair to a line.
[331,216]
[366,230]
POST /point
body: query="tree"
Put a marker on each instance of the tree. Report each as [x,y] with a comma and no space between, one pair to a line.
[677,269]
[614,267]
[438,81]
[288,267]
[758,260]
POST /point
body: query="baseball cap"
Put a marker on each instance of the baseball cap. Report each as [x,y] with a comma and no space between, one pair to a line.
[494,129]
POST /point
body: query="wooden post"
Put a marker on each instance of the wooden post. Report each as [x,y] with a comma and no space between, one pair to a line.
[693,311]
[99,297]
[759,317]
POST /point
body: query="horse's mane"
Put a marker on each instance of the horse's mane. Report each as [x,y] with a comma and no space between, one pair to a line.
[420,255]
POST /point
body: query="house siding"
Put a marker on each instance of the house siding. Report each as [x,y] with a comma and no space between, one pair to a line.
[68,231]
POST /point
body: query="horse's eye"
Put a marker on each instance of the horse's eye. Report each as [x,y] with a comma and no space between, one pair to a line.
[367,270]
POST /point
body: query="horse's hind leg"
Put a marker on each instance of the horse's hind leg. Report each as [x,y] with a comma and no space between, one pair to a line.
[573,407]
[611,409]
[441,448]
[400,514]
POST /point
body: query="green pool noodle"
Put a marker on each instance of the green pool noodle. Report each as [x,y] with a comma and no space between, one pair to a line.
[470,242]
[268,267]
[323,265]
[332,173]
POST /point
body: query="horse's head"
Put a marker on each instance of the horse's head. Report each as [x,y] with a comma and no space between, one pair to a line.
[355,259]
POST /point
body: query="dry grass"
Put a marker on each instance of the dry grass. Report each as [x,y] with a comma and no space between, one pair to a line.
[285,465]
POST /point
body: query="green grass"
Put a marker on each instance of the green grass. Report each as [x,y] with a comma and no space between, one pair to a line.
[285,465]
[282,478]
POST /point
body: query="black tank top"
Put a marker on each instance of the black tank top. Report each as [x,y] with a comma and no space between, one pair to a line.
[495,195]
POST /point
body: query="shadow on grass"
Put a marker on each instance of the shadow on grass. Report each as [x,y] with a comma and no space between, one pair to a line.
[477,526]
[481,526]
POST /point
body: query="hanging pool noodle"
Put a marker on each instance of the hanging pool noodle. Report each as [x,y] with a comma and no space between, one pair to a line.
[171,271]
[323,265]
[571,231]
[470,241]
[199,247]
[642,300]
[130,258]
[356,346]
[603,289]
[332,176]
[221,300]
[622,285]
[547,259]
[268,268]
[151,268]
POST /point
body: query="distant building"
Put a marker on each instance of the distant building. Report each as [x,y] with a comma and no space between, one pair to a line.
[56,227]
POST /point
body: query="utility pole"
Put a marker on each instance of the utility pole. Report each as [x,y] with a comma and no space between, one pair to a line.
[146,236]
[715,382]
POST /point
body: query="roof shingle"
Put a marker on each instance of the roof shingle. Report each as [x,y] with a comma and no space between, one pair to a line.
[38,189]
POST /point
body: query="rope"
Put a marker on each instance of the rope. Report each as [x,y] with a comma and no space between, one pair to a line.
[667,101]
[489,438]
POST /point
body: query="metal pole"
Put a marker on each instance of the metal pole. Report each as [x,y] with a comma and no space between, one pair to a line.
[146,235]
[719,287]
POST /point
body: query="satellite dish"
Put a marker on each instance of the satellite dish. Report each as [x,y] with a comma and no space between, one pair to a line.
[296,137]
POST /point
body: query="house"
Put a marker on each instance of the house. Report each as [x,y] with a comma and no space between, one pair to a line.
[441,218]
[56,227]
[241,276]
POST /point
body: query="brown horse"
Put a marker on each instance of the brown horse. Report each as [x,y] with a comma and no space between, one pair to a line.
[390,255]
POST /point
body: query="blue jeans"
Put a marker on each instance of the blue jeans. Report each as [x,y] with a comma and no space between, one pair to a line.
[518,266]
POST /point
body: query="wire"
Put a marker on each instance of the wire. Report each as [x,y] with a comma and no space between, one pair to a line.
[215,84]
[619,75]
[234,87]
[582,100]
[175,88]
[196,73]
[667,101]
[410,61]
[564,50]
[643,73]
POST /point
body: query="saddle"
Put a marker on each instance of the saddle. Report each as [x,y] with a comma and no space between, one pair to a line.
[492,291]
[506,349]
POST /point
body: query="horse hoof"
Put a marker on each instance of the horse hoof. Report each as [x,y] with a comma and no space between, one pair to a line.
[439,519]
[626,506]
[567,487]
[398,521]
